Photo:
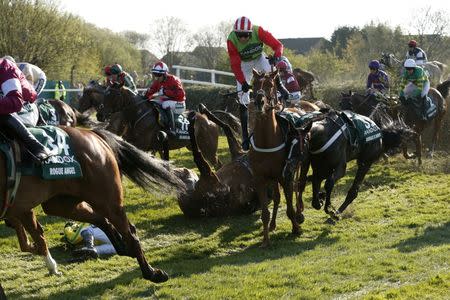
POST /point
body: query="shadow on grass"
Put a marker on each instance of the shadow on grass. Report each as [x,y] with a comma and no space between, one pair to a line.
[432,236]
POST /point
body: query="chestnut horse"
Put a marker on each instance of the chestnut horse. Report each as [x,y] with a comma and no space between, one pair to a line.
[95,198]
[268,153]
[143,130]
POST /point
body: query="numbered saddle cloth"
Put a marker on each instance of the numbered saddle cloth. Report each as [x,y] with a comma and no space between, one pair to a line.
[181,122]
[63,164]
[362,129]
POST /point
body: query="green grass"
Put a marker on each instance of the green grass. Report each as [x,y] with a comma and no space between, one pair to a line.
[393,243]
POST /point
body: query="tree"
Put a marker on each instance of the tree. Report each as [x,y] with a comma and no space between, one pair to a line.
[137,39]
[169,35]
[340,37]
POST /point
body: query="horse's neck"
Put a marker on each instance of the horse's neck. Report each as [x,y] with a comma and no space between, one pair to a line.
[267,132]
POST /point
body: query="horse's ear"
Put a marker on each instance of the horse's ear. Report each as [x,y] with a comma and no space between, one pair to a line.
[255,73]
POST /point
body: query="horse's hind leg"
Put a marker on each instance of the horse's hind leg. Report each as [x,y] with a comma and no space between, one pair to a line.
[329,185]
[316,182]
[118,218]
[24,243]
[36,232]
[71,208]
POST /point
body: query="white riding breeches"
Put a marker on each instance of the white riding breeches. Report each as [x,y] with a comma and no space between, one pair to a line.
[260,64]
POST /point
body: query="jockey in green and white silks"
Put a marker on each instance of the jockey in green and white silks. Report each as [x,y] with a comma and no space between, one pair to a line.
[414,84]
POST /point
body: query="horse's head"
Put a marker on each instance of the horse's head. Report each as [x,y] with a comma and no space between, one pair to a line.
[93,96]
[346,102]
[264,86]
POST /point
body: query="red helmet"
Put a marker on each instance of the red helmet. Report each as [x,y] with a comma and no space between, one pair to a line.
[412,43]
[243,24]
[282,66]
[107,70]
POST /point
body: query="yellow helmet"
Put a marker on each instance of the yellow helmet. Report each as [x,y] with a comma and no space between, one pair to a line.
[72,232]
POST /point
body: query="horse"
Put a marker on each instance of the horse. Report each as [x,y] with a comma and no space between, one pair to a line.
[330,145]
[65,114]
[229,190]
[96,197]
[305,81]
[142,127]
[92,98]
[268,154]
[366,105]
[434,68]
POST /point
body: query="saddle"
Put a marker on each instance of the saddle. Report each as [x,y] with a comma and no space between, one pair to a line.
[181,121]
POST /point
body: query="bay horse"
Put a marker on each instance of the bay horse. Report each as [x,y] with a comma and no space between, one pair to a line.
[96,197]
[67,115]
[329,148]
[227,191]
[268,154]
[305,80]
[143,130]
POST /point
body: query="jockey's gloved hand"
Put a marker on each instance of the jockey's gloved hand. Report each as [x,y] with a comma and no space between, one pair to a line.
[245,87]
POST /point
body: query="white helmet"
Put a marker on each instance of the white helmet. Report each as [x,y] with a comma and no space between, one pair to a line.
[160,68]
[10,58]
[410,63]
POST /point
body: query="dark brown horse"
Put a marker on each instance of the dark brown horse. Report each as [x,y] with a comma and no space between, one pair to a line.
[331,144]
[365,105]
[228,191]
[96,198]
[65,115]
[268,154]
[305,81]
[143,130]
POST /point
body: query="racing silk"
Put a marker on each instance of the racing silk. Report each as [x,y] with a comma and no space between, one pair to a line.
[15,89]
[125,79]
[35,76]
[379,81]
[289,82]
[251,50]
[170,89]
[418,55]
[419,78]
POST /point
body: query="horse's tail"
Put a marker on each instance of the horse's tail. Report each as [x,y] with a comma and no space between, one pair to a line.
[146,171]
[84,119]
[395,135]
[228,119]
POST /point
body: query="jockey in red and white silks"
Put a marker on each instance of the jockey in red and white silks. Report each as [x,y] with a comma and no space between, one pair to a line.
[245,49]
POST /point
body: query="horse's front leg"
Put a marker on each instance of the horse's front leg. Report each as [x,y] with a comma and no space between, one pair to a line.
[361,172]
[24,243]
[419,149]
[261,188]
[36,232]
[304,167]
[288,194]
[276,204]
[316,182]
[329,185]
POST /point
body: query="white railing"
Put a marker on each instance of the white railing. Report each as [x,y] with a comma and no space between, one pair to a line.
[210,71]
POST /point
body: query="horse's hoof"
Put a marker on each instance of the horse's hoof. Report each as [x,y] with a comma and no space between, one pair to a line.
[316,205]
[56,273]
[296,231]
[300,218]
[330,221]
[157,276]
[272,227]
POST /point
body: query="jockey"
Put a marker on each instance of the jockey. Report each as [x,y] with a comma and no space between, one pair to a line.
[417,76]
[245,49]
[290,82]
[121,78]
[377,81]
[416,53]
[167,90]
[95,242]
[107,73]
[15,92]
[35,76]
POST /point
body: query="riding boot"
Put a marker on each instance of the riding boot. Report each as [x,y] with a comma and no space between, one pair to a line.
[88,249]
[243,114]
[424,108]
[292,160]
[282,89]
[31,143]
[171,122]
